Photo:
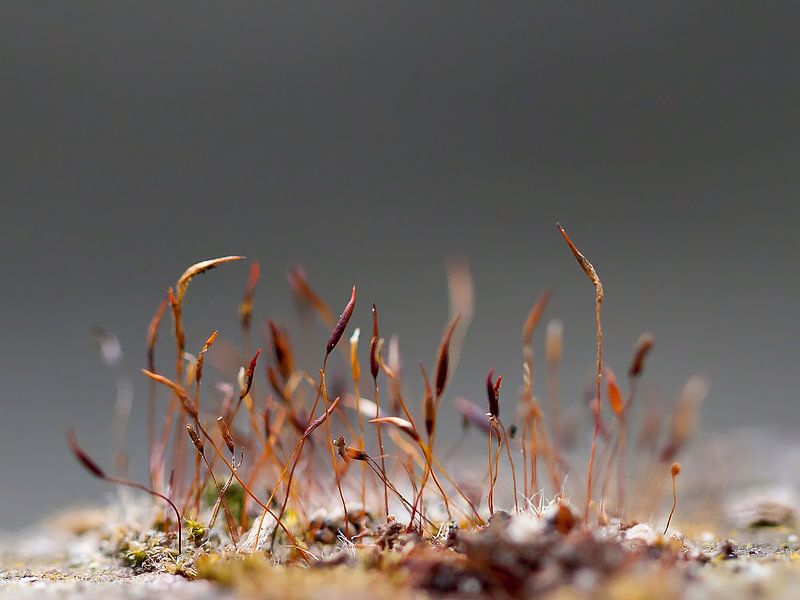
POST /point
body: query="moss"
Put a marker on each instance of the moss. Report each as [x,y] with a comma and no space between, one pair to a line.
[146,552]
[256,574]
[135,555]
[196,531]
[234,496]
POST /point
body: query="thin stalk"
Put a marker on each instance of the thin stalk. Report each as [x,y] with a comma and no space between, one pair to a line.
[590,272]
[674,470]
[333,451]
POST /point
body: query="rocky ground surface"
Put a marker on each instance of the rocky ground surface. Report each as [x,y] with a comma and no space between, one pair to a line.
[70,557]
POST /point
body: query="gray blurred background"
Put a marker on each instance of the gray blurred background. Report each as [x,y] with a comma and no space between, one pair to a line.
[368,142]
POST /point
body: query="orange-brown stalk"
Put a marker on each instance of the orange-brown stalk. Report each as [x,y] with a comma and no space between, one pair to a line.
[507,441]
[410,429]
[530,406]
[416,453]
[334,338]
[348,453]
[496,425]
[152,337]
[294,459]
[674,470]
[180,342]
[431,406]
[246,384]
[429,412]
[176,299]
[374,367]
[227,437]
[355,371]
[200,447]
[198,378]
[334,465]
[177,303]
[188,407]
[591,274]
[392,372]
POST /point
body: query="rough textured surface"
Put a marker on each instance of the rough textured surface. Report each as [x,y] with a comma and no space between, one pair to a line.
[107,583]
[547,556]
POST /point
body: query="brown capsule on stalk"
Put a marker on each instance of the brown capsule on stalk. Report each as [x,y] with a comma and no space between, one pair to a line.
[198,268]
[669,451]
[443,357]
[493,393]
[374,346]
[374,367]
[175,307]
[429,406]
[283,351]
[402,424]
[673,471]
[186,402]
[584,263]
[614,395]
[248,375]
[152,334]
[349,453]
[563,519]
[272,376]
[341,324]
[226,434]
[246,305]
[321,419]
[534,316]
[355,454]
[643,347]
[198,375]
[188,406]
[198,443]
[299,284]
[472,413]
[84,459]
[684,421]
[340,444]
